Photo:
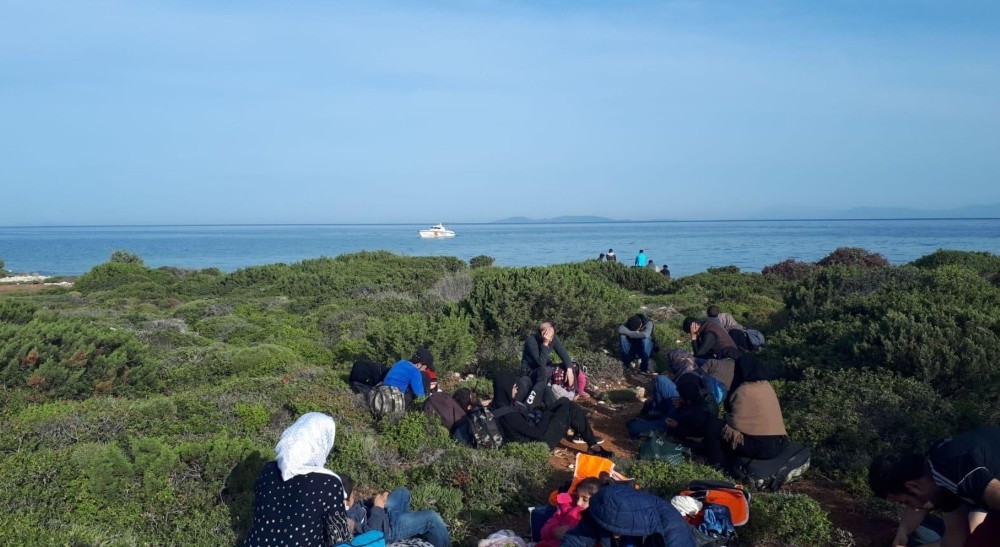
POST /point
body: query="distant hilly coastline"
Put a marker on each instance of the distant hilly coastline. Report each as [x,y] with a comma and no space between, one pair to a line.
[791,212]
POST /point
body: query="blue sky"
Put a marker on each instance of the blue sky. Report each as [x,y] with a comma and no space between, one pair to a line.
[339,112]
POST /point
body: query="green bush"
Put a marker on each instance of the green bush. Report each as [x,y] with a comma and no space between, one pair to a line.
[114,275]
[126,257]
[448,337]
[795,520]
[512,302]
[481,261]
[16,311]
[667,479]
[853,256]
[982,262]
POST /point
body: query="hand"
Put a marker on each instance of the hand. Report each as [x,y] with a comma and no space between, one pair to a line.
[379,500]
[901,539]
[351,525]
[694,336]
[671,423]
[548,334]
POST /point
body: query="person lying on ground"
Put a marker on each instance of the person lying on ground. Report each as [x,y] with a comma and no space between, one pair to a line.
[553,423]
[406,375]
[537,349]
[621,515]
[570,511]
[957,475]
[389,512]
[635,339]
[709,340]
[297,491]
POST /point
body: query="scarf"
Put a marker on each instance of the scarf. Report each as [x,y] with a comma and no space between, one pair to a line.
[305,445]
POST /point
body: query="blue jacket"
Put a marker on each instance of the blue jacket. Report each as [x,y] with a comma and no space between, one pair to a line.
[367,517]
[621,510]
[403,375]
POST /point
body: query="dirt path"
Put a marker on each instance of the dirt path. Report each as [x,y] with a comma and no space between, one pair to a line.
[608,421]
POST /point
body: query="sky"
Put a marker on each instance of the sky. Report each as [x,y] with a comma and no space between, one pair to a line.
[195,112]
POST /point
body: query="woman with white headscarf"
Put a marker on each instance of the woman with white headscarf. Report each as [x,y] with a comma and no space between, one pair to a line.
[297,501]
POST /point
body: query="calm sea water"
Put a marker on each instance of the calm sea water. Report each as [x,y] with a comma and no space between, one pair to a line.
[687,247]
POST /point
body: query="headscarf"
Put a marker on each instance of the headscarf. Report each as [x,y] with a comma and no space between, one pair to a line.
[681,361]
[305,445]
[503,384]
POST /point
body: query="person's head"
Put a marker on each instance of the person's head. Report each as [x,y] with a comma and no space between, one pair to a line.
[903,478]
[466,398]
[305,445]
[546,328]
[681,361]
[713,311]
[504,389]
[423,359]
[587,488]
[641,251]
[691,325]
[611,251]
[348,483]
[634,322]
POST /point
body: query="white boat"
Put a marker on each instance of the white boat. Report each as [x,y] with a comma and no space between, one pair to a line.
[436,231]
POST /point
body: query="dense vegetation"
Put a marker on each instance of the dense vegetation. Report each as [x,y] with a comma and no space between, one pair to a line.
[139,405]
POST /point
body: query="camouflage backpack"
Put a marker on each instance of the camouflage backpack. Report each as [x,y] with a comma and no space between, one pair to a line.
[484,428]
[386,400]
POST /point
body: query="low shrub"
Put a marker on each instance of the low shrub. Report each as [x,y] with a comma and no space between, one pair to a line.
[795,520]
[853,256]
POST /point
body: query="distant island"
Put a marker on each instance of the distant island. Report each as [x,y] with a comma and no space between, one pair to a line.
[790,212]
[556,220]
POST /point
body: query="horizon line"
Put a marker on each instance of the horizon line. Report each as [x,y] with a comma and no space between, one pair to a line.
[528,221]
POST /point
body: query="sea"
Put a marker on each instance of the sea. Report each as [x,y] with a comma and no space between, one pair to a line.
[687,247]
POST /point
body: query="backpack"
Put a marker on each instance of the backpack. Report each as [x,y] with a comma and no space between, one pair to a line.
[771,475]
[371,538]
[385,401]
[725,506]
[485,431]
[712,389]
[443,406]
[747,339]
[657,447]
[366,374]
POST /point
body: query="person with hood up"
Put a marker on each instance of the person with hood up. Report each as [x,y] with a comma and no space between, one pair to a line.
[556,420]
[297,501]
[620,515]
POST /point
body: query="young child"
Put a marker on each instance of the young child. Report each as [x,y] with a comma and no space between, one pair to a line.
[568,515]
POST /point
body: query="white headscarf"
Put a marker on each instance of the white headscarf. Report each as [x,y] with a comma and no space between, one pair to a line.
[304,446]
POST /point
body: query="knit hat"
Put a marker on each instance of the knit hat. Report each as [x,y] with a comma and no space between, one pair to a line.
[423,357]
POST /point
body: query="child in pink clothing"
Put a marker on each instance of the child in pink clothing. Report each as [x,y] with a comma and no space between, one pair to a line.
[568,514]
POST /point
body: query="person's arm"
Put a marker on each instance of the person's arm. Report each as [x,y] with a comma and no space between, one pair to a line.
[377,517]
[647,329]
[417,382]
[535,353]
[561,352]
[908,523]
[703,344]
[991,496]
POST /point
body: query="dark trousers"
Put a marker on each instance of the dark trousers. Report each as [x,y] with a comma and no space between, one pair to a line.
[560,417]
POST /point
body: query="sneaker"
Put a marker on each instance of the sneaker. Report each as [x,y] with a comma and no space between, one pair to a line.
[601,452]
[579,440]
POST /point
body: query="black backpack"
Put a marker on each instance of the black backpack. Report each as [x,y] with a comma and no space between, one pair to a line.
[748,339]
[771,475]
[483,427]
[366,374]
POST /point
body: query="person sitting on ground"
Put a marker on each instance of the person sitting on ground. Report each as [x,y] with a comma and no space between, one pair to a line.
[957,475]
[389,512]
[723,319]
[611,256]
[917,527]
[640,259]
[554,421]
[298,491]
[407,377]
[723,370]
[651,265]
[537,349]
[710,341]
[665,270]
[635,338]
[621,515]
[570,511]
[754,426]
